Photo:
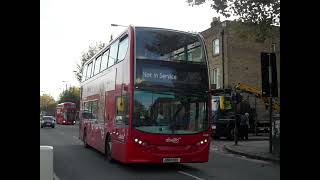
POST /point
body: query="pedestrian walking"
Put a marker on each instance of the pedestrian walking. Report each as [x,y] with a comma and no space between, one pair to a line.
[244,126]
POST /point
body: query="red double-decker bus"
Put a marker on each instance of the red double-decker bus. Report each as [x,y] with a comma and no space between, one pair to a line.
[145,98]
[66,113]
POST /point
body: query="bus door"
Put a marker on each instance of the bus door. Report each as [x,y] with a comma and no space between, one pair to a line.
[89,118]
[109,116]
[121,123]
[117,122]
[98,127]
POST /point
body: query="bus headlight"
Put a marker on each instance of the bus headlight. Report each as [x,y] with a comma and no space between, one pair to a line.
[140,142]
[202,142]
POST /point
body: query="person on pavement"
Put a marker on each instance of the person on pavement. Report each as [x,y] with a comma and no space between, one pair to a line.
[244,126]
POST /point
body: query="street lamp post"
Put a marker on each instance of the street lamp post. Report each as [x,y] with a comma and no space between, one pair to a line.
[118,25]
[235,102]
[42,101]
[66,84]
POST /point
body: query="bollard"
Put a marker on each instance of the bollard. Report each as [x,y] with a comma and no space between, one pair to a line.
[46,162]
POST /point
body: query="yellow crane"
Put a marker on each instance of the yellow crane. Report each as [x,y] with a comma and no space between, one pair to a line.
[246,88]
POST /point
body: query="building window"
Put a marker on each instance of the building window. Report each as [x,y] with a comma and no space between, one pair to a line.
[215,77]
[215,46]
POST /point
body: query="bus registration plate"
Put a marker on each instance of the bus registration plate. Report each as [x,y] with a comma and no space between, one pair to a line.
[170,160]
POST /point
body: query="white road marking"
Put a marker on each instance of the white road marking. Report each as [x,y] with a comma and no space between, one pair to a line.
[181,172]
[55,177]
[214,149]
[77,139]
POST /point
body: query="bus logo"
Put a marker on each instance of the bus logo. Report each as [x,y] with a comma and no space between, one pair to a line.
[173,140]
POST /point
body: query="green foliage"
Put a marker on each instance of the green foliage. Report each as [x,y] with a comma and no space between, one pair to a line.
[93,49]
[70,95]
[255,11]
[254,32]
[47,104]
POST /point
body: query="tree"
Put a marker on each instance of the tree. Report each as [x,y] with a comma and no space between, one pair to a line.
[93,49]
[70,95]
[47,104]
[254,11]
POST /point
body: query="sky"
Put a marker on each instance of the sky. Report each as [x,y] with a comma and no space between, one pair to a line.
[69,27]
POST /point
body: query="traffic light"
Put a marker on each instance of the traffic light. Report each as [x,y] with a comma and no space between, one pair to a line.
[265,74]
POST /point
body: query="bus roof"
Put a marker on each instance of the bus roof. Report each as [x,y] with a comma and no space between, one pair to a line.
[122,33]
[167,29]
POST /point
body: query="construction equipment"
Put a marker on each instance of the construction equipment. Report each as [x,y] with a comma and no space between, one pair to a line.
[248,89]
[223,116]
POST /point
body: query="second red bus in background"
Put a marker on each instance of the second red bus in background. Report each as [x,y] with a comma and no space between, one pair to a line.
[66,113]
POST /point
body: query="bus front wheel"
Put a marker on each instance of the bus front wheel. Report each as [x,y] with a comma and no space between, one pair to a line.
[85,142]
[108,149]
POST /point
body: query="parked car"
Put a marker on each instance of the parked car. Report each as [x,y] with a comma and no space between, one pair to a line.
[48,121]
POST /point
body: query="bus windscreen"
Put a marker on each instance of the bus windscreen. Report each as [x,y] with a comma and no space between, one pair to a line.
[169,113]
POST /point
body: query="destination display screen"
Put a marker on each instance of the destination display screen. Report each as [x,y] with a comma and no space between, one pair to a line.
[168,74]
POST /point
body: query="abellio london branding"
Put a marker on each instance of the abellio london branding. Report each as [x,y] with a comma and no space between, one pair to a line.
[173,140]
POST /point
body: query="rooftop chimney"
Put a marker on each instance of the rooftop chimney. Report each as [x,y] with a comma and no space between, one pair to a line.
[215,21]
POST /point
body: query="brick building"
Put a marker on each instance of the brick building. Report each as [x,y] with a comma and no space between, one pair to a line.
[234,57]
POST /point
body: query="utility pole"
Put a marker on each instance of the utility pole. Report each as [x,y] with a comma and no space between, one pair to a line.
[270,105]
[269,85]
[66,84]
[235,132]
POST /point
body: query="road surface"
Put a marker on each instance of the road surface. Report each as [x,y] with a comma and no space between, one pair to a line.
[74,162]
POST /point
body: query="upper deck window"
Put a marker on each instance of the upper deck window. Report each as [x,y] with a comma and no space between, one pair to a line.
[104,61]
[97,65]
[123,48]
[84,73]
[89,72]
[158,44]
[113,53]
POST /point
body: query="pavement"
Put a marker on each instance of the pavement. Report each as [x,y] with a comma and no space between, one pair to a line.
[257,147]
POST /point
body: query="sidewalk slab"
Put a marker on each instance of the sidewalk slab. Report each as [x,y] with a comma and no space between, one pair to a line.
[253,149]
